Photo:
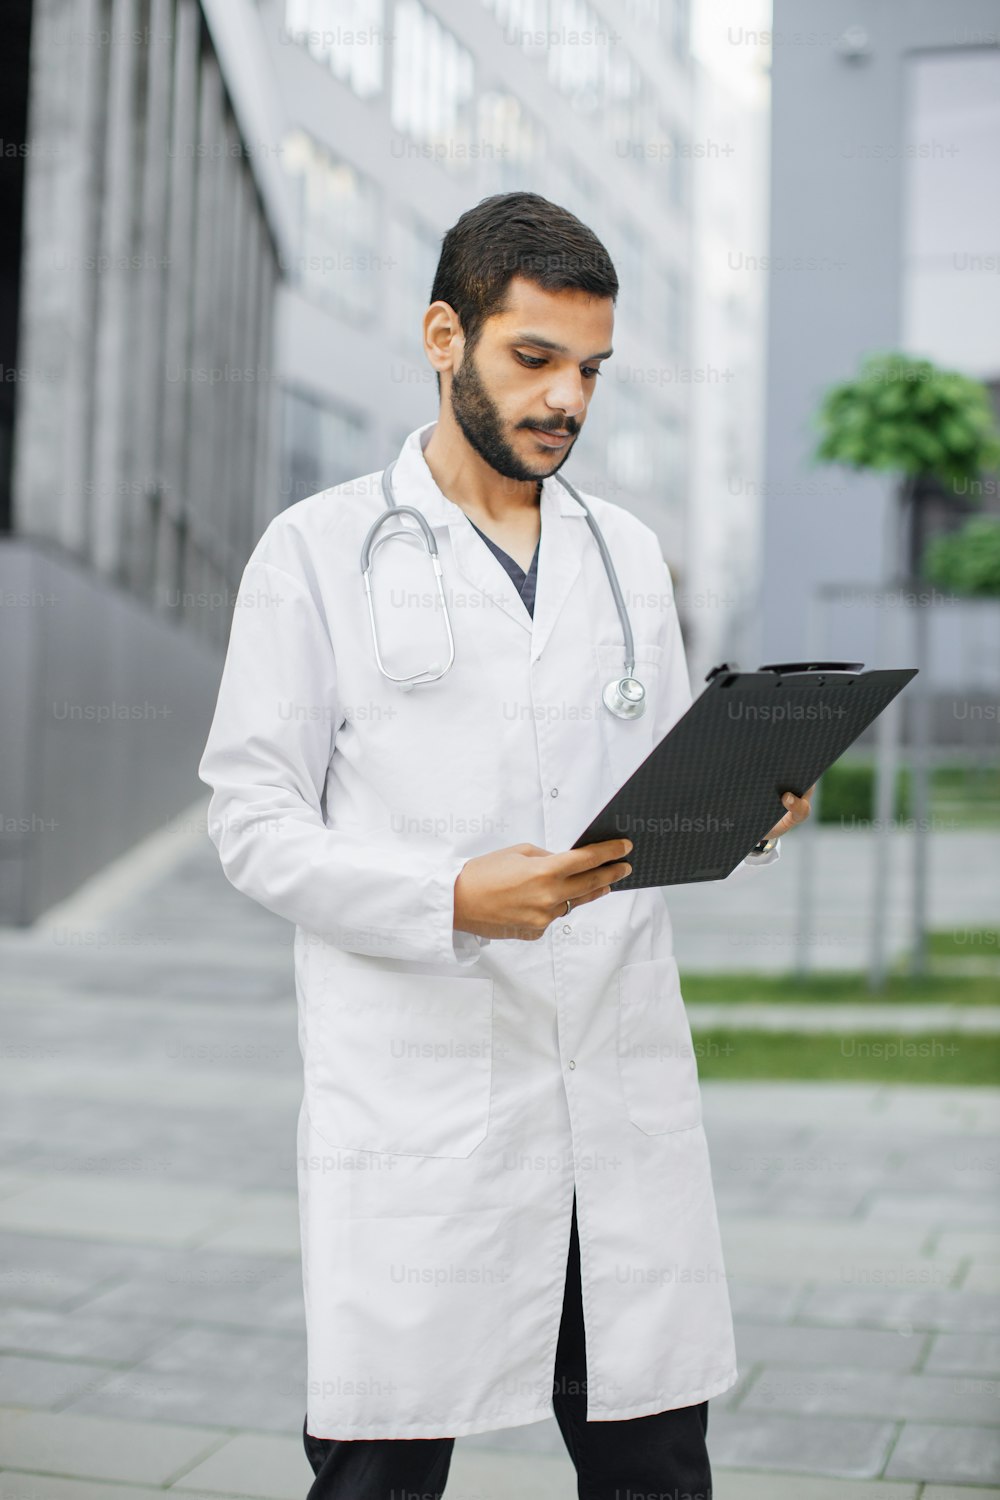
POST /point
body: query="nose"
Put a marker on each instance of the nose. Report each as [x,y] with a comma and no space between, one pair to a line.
[566,394]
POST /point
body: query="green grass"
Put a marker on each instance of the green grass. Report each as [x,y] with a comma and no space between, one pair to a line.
[965,942]
[960,796]
[947,1058]
[839,988]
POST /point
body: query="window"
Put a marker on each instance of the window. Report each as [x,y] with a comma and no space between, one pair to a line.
[337,229]
[629,452]
[681,38]
[321,445]
[675,311]
[432,89]
[347,36]
[415,251]
[525,22]
[669,458]
[511,143]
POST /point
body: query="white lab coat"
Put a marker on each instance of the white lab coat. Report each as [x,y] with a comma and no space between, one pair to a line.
[455,1088]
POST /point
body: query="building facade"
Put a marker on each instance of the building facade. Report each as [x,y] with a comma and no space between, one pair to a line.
[884,230]
[141,458]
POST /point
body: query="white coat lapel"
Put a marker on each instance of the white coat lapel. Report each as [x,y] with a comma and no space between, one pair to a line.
[563,528]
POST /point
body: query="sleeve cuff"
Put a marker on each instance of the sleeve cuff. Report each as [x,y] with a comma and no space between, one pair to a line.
[455,946]
[764,859]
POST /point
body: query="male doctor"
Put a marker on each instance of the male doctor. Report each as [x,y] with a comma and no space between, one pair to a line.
[506,1203]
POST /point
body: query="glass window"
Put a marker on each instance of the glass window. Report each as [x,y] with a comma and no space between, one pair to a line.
[583,189]
[511,144]
[629,452]
[673,165]
[525,22]
[347,36]
[415,252]
[628,260]
[578,54]
[674,311]
[337,225]
[670,453]
[681,38]
[432,89]
[321,445]
[948,153]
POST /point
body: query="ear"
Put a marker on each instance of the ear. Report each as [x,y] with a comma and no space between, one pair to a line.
[444,340]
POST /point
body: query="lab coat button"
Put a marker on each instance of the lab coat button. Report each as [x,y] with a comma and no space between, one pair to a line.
[554,792]
[572,1063]
[567,928]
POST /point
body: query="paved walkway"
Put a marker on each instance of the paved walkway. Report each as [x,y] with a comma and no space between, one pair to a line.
[150,1303]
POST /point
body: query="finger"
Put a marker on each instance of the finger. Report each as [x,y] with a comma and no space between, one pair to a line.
[798,809]
[582,900]
[578,886]
[573,861]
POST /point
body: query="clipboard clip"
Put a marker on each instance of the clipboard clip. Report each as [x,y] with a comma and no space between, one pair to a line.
[782,667]
[727,666]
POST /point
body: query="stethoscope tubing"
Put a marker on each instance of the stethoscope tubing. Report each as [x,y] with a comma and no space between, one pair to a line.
[372,541]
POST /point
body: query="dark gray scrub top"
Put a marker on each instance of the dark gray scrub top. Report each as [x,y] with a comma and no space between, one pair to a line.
[522,581]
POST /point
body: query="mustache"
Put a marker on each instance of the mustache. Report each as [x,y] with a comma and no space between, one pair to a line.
[570,425]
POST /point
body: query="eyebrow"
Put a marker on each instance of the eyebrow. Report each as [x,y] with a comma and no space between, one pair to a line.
[534,338]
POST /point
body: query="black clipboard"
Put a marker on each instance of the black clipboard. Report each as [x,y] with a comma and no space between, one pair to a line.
[712,787]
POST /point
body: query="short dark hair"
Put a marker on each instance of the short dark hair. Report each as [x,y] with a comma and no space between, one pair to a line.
[516,234]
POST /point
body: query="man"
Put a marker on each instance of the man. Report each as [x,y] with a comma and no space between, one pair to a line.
[505,1193]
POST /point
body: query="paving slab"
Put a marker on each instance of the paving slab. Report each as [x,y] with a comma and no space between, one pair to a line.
[27,1380]
[953,1454]
[142,1213]
[477,1474]
[250,1380]
[16,1486]
[954,1492]
[964,1353]
[897,1305]
[807,1346]
[839,1447]
[100,1447]
[72,1335]
[252,1466]
[829,1390]
[749,1484]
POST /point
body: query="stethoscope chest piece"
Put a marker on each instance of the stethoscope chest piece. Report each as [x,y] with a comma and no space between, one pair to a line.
[625,697]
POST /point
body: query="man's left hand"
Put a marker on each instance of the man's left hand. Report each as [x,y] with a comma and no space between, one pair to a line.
[798,810]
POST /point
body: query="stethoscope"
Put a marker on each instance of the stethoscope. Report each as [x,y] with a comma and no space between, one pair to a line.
[625,696]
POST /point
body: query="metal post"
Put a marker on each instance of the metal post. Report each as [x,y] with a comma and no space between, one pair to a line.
[920,783]
[887,733]
[806,837]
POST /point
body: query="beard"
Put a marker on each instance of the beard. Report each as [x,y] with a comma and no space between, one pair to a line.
[478,416]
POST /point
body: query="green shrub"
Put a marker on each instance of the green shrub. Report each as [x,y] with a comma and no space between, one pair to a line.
[847,794]
[968,560]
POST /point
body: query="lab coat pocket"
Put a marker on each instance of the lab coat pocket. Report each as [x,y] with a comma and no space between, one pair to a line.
[656,1060]
[401,1062]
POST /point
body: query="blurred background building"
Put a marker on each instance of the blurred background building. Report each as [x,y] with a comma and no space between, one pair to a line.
[885,231]
[232,212]
[222,219]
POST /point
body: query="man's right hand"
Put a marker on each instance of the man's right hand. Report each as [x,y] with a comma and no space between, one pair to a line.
[517,892]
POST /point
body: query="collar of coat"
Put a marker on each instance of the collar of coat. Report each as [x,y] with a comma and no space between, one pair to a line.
[560,553]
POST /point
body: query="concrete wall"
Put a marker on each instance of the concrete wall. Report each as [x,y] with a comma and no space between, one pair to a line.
[105,710]
[144,455]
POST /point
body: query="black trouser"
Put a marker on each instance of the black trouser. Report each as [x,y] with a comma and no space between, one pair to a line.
[661,1457]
